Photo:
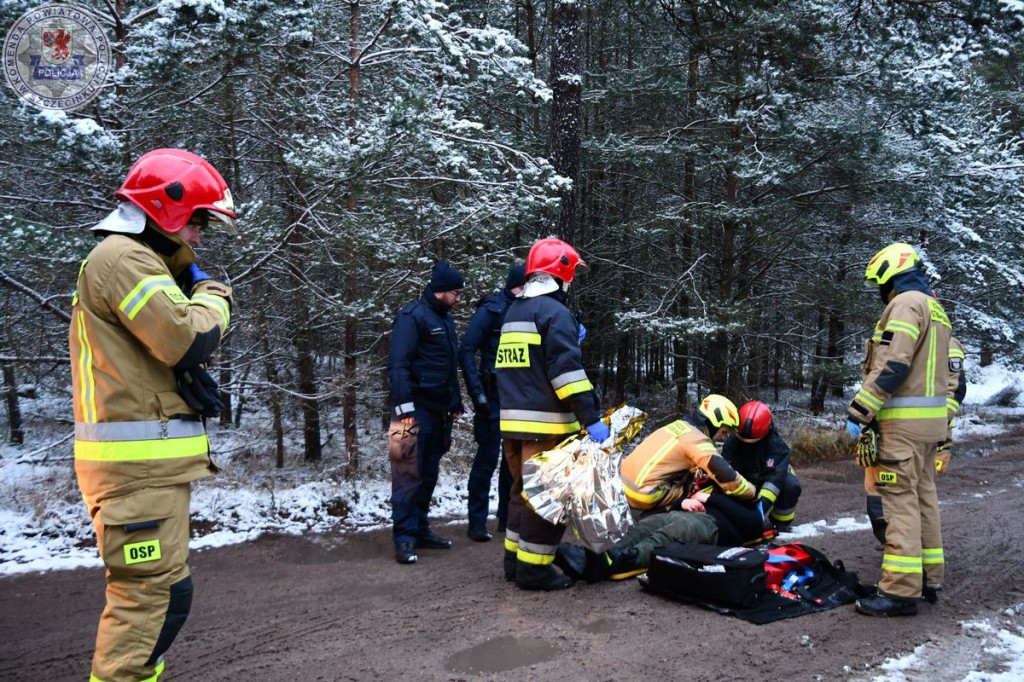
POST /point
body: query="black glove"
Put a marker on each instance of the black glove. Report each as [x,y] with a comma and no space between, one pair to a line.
[199,390]
[481,405]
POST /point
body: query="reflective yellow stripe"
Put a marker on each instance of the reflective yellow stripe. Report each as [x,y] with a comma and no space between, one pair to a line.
[785,518]
[88,395]
[912,413]
[871,400]
[535,559]
[953,405]
[901,564]
[78,280]
[214,303]
[933,556]
[646,497]
[574,388]
[655,460]
[768,495]
[932,360]
[155,678]
[143,291]
[511,545]
[516,426]
[905,327]
[520,337]
[141,450]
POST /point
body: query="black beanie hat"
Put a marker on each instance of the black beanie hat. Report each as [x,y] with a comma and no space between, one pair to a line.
[516,277]
[444,278]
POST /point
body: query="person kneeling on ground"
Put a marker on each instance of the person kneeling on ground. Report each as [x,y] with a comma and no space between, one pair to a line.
[758,452]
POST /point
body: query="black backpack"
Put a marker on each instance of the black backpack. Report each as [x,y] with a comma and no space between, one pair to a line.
[691,572]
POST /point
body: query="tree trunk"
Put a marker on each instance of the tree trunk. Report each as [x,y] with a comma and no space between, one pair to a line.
[349,397]
[566,123]
[13,405]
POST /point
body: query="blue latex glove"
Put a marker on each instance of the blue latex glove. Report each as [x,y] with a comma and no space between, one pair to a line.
[599,431]
[196,274]
[853,428]
[583,332]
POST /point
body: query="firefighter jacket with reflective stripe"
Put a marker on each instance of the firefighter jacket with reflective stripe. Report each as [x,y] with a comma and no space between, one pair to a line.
[956,387]
[482,335]
[764,463]
[423,359]
[542,385]
[130,324]
[672,463]
[906,369]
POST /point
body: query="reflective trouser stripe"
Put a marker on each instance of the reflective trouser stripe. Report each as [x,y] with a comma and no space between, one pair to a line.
[932,556]
[156,675]
[770,492]
[537,554]
[511,540]
[785,517]
[140,450]
[901,564]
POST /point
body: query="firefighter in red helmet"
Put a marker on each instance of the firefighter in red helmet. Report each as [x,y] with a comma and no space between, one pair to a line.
[545,396]
[758,452]
[145,321]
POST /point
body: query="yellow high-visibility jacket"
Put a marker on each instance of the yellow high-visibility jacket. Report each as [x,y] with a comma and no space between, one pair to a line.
[906,369]
[130,325]
[661,471]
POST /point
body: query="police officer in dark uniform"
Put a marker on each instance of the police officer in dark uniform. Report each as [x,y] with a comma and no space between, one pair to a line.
[482,336]
[425,396]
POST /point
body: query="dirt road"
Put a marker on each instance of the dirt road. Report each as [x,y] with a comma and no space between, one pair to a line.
[339,608]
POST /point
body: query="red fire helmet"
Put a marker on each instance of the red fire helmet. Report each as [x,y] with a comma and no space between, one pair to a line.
[755,421]
[554,257]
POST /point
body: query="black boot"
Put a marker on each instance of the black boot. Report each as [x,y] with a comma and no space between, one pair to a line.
[431,540]
[546,578]
[510,565]
[479,534]
[624,563]
[885,605]
[930,594]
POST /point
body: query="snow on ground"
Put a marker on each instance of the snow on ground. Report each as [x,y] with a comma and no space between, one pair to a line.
[989,650]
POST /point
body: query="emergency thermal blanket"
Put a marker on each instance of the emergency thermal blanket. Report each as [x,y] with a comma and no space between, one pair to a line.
[577,483]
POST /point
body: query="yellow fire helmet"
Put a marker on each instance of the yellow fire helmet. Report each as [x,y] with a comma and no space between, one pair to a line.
[720,411]
[889,262]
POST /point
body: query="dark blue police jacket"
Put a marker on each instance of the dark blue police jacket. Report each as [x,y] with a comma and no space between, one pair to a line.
[422,362]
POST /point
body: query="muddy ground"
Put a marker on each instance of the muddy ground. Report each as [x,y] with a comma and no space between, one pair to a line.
[339,608]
